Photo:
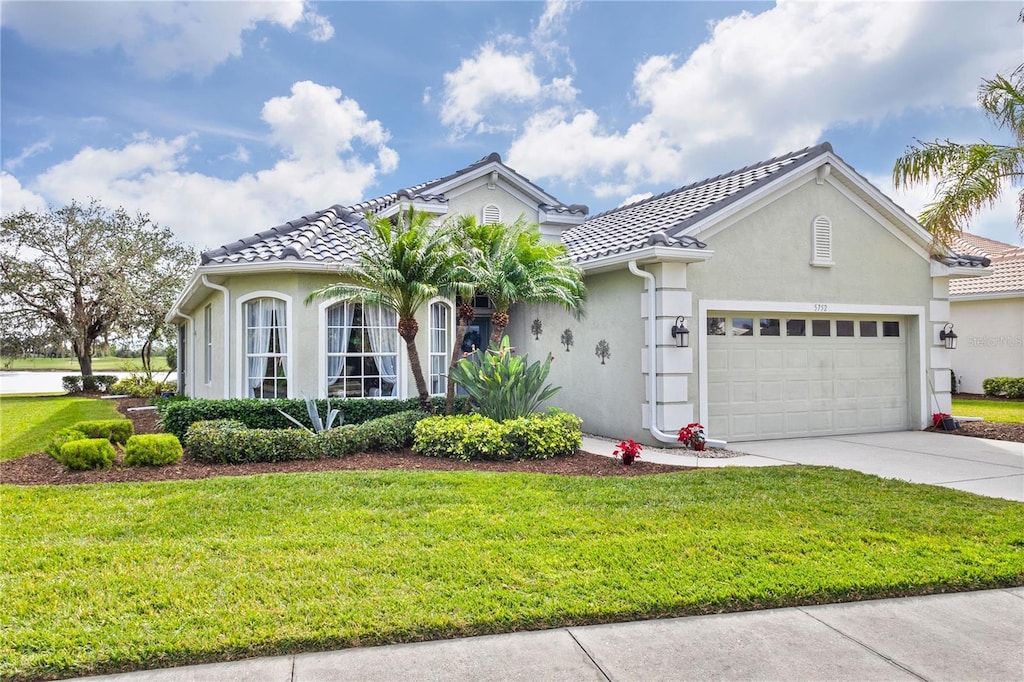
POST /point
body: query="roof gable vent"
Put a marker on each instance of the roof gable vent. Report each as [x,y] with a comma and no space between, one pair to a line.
[821,242]
[491,214]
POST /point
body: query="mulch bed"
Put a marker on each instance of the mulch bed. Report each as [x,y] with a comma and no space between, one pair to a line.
[990,430]
[41,469]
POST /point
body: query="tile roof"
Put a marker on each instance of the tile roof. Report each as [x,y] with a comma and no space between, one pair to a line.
[660,219]
[338,233]
[1007,262]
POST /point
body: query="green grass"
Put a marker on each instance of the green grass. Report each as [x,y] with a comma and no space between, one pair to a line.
[101,578]
[26,422]
[100,365]
[992,410]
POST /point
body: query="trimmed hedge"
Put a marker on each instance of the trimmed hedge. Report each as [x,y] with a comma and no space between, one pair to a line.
[76,383]
[114,430]
[1004,387]
[176,417]
[152,449]
[473,436]
[229,441]
[59,438]
[90,453]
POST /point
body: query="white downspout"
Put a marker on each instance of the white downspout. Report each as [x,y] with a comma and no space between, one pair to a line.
[190,372]
[227,333]
[652,355]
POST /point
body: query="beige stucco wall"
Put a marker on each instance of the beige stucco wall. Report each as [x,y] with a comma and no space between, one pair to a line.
[990,340]
[607,396]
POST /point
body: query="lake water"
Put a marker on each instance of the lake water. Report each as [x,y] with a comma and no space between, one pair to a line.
[39,382]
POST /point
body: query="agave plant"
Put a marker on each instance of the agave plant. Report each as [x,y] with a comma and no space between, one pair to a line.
[319,425]
[503,385]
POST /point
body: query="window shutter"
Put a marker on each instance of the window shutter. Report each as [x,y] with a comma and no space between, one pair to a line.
[821,241]
[492,214]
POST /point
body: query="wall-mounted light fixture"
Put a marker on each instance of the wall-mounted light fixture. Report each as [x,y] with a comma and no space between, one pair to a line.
[948,336]
[680,333]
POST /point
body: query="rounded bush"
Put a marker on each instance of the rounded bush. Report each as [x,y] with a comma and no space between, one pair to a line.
[343,440]
[152,449]
[114,430]
[473,437]
[1005,387]
[90,453]
[58,438]
[72,383]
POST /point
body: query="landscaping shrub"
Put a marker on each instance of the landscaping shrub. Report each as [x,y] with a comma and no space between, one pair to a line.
[502,384]
[152,449]
[72,383]
[343,440]
[232,443]
[176,417]
[114,430]
[137,386]
[60,437]
[1005,387]
[90,453]
[953,383]
[391,432]
[474,436]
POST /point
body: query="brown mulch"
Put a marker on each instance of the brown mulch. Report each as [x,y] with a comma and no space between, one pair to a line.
[41,469]
[991,430]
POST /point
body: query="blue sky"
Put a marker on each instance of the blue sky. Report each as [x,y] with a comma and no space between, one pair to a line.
[225,118]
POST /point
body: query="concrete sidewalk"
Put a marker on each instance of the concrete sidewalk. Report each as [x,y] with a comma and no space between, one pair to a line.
[965,636]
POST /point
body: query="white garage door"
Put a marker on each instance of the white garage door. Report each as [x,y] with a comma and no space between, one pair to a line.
[787,376]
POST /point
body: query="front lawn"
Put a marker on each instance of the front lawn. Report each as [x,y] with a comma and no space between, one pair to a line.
[100,578]
[100,365]
[26,422]
[1005,411]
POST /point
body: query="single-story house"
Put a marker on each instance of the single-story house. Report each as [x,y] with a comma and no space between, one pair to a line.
[988,314]
[812,306]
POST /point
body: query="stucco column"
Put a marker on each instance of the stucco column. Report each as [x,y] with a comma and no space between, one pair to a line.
[940,360]
[675,365]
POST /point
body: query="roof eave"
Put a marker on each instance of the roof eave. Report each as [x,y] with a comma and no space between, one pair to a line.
[942,270]
[645,255]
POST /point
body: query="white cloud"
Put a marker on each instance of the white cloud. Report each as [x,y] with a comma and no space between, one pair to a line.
[161,38]
[27,152]
[14,197]
[773,82]
[331,153]
[241,155]
[485,80]
[546,36]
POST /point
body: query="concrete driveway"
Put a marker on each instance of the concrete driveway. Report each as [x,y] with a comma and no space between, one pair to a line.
[986,467]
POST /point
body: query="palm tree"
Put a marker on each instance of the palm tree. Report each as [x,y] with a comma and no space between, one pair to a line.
[407,263]
[970,176]
[510,264]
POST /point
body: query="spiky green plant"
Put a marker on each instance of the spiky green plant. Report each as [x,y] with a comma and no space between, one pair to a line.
[504,385]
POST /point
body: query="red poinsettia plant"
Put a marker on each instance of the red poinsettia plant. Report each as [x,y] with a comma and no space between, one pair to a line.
[692,435]
[938,417]
[628,451]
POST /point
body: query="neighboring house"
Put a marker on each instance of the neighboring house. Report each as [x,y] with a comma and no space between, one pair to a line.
[988,314]
[812,302]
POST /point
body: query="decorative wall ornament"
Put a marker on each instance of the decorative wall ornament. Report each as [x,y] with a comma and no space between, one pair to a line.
[536,329]
[602,350]
[567,339]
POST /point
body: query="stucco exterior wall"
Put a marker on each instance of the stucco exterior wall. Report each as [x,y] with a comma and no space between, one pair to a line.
[608,396]
[990,340]
[473,200]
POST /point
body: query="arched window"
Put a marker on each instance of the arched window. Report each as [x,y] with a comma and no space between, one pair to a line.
[362,351]
[491,214]
[821,241]
[440,346]
[266,348]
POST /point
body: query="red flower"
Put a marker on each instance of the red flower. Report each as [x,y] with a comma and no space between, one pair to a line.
[628,451]
[693,436]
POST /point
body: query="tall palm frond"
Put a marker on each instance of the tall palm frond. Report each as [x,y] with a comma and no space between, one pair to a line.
[970,177]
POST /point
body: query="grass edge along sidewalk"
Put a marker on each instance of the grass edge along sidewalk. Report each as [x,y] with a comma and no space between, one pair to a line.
[105,578]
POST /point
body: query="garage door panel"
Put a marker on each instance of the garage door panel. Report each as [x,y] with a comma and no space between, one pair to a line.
[785,387]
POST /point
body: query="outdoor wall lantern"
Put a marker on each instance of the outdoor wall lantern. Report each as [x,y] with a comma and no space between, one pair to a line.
[680,333]
[949,336]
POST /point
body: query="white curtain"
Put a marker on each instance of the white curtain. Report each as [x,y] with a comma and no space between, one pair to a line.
[339,328]
[382,328]
[263,316]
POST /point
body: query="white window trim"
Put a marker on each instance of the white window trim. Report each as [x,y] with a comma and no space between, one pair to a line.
[451,333]
[821,230]
[240,337]
[809,309]
[321,363]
